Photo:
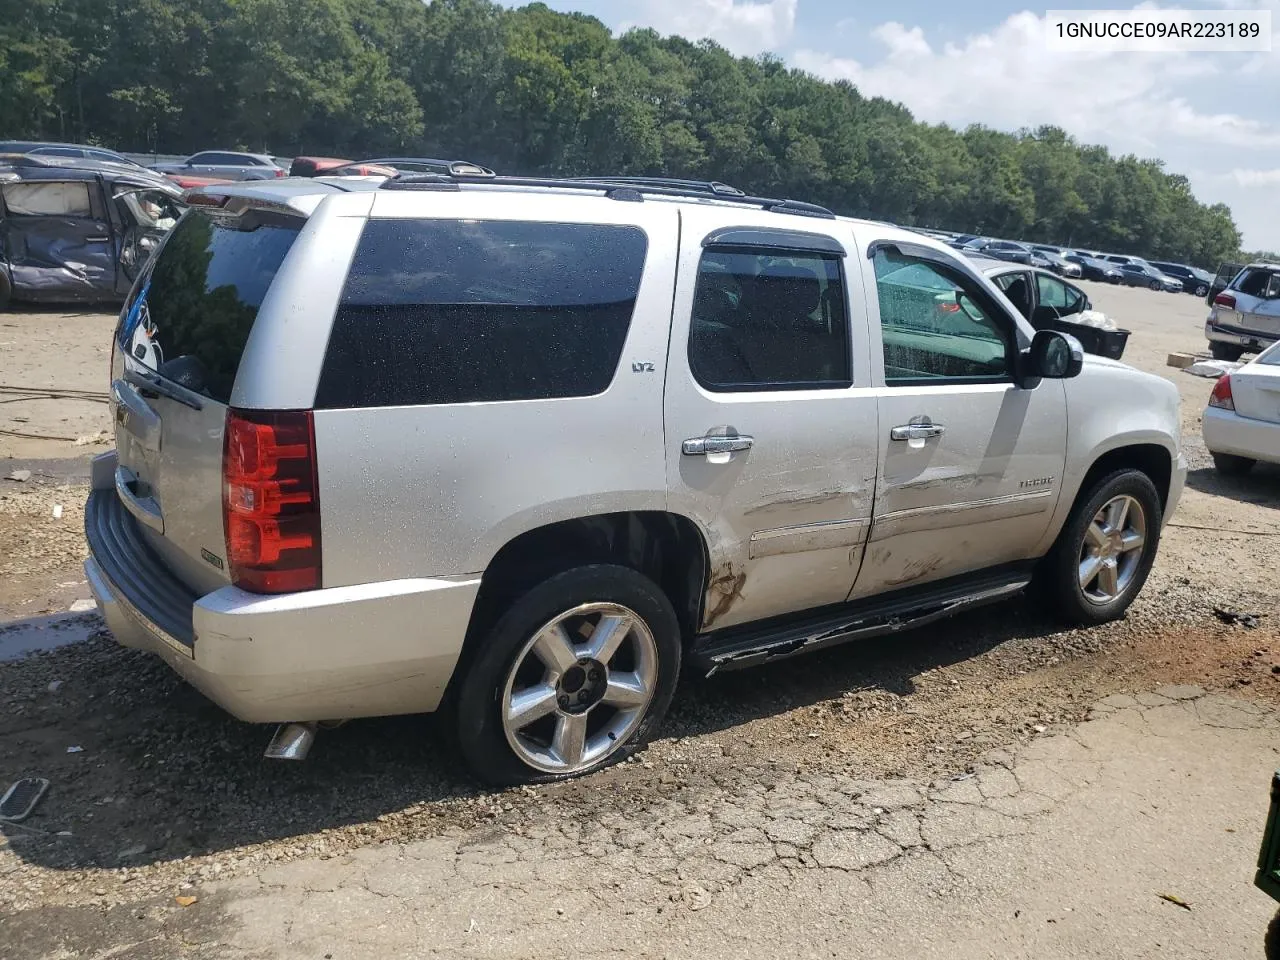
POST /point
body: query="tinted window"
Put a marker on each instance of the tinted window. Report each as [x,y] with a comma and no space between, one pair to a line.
[1251,282]
[1014,286]
[445,311]
[1055,293]
[44,199]
[940,329]
[191,314]
[769,321]
[58,152]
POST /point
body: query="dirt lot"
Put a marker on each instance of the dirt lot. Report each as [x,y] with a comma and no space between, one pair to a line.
[168,797]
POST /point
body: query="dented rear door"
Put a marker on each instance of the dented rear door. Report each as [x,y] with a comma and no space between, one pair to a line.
[58,241]
[769,414]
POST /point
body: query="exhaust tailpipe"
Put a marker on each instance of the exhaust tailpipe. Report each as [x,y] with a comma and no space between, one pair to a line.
[291,741]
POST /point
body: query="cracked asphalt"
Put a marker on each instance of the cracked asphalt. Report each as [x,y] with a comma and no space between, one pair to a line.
[1061,847]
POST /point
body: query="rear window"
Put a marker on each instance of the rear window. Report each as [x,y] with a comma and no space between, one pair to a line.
[448,311]
[190,316]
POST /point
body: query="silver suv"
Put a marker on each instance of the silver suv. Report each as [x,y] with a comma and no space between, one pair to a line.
[519,449]
[1245,317]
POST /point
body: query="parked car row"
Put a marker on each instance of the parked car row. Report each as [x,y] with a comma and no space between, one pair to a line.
[1085,264]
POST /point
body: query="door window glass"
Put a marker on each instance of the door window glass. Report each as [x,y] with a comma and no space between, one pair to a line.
[1056,294]
[48,199]
[935,324]
[769,320]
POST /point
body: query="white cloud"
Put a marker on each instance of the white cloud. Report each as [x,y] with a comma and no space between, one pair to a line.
[1256,178]
[1138,102]
[744,27]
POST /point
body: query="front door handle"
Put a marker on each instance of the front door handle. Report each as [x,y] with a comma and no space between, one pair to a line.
[923,429]
[700,446]
[102,239]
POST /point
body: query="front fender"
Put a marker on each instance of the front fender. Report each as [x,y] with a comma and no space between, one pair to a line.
[1111,406]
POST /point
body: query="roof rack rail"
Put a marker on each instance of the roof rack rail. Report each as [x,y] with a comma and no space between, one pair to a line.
[615,188]
[714,187]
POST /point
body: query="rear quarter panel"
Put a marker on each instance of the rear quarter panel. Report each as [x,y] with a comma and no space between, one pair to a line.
[438,490]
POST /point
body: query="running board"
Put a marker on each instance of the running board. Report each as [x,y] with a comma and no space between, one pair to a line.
[736,649]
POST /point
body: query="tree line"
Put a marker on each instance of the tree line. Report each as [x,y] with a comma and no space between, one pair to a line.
[534,91]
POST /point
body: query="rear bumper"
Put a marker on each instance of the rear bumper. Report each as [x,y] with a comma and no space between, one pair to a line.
[1225,431]
[343,652]
[1253,340]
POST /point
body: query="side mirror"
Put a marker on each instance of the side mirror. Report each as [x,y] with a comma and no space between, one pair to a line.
[1055,356]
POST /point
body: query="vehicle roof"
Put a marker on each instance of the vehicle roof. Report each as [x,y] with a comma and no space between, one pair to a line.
[1262,265]
[20,146]
[237,153]
[28,168]
[304,195]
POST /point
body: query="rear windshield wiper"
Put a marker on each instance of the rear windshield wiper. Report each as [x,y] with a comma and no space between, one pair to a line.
[157,384]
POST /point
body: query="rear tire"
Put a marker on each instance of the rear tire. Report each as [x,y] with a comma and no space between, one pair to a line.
[1225,351]
[1202,290]
[549,697]
[1229,465]
[1105,551]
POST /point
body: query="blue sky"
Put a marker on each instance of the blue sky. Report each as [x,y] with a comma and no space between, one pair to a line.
[1213,117]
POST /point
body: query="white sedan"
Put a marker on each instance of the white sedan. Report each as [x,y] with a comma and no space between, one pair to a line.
[1242,421]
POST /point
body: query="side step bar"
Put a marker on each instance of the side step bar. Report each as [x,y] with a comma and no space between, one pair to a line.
[732,649]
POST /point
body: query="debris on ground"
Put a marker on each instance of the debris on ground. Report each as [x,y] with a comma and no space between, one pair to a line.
[1249,621]
[1213,368]
[83,605]
[1175,900]
[57,511]
[19,476]
[188,901]
[21,798]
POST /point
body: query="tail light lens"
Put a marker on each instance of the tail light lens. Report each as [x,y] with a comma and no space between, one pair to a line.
[1225,300]
[948,308]
[271,501]
[280,173]
[1221,396]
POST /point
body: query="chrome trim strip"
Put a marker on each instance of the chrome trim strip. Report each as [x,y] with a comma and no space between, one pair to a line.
[948,508]
[823,535]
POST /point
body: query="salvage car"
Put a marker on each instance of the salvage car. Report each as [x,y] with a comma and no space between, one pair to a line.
[1245,316]
[344,410]
[1241,424]
[78,231]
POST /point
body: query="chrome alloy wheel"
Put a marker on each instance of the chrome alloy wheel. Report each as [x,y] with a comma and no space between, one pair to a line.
[579,688]
[1112,549]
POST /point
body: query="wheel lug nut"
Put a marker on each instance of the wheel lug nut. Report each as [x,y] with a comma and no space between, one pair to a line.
[594,674]
[563,700]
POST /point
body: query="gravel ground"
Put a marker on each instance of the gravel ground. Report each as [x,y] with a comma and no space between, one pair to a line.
[166,791]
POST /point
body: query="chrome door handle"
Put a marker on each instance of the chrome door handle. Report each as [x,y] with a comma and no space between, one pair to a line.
[102,239]
[917,431]
[698,446]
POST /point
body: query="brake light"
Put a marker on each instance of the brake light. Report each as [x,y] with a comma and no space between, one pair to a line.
[1225,300]
[1221,396]
[280,173]
[948,308]
[271,500]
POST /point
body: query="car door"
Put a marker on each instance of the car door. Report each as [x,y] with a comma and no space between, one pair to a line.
[1016,285]
[971,463]
[58,240]
[770,418]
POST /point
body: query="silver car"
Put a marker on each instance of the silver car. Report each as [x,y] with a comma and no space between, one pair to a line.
[518,449]
[1246,315]
[225,165]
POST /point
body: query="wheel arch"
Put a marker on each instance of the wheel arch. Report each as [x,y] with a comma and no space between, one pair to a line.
[667,547]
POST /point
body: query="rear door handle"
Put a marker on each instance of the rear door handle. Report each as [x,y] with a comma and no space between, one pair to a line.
[924,430]
[700,446]
[102,239]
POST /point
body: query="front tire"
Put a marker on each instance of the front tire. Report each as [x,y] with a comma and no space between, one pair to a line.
[1202,290]
[1105,551]
[575,676]
[1225,351]
[1229,465]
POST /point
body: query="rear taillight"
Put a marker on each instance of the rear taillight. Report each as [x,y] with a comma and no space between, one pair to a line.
[1225,300]
[271,500]
[948,308]
[1221,396]
[280,173]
